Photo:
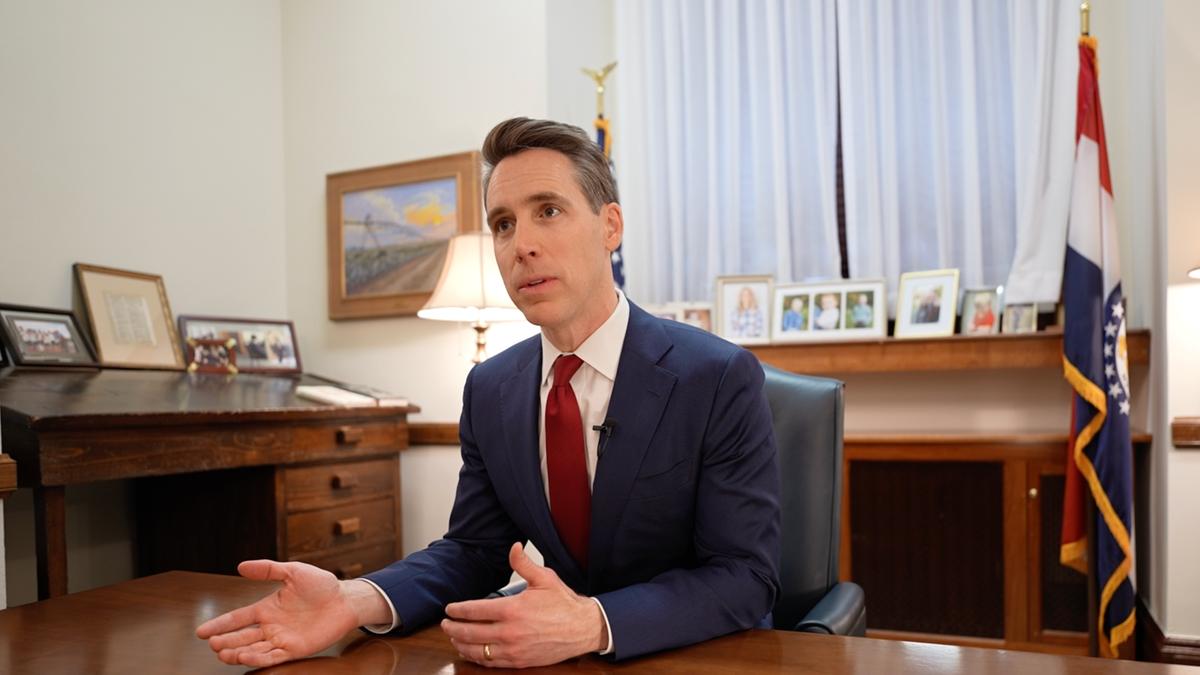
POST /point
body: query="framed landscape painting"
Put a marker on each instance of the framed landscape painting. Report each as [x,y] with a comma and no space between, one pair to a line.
[389,228]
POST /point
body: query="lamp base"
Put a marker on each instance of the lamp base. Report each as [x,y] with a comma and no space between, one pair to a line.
[481,327]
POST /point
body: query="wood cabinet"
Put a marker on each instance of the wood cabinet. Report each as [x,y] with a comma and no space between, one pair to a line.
[955,536]
[226,468]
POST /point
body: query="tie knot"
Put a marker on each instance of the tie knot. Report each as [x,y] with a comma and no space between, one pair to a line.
[564,369]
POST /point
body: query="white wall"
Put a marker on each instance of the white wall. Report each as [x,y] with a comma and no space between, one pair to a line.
[371,83]
[1183,309]
[147,136]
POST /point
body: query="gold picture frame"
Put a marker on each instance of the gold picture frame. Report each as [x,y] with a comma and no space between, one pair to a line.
[389,228]
[129,318]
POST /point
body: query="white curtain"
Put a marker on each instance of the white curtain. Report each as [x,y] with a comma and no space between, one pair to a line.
[726,153]
[957,131]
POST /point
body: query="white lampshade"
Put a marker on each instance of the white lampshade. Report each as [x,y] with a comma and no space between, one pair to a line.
[1194,273]
[470,288]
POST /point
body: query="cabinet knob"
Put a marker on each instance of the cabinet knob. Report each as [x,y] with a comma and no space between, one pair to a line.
[344,479]
[348,571]
[346,526]
[1033,493]
[349,435]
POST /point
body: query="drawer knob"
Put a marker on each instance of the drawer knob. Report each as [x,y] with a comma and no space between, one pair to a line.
[1033,493]
[346,526]
[349,435]
[344,479]
[349,571]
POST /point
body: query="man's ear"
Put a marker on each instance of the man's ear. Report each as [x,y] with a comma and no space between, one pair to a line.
[614,225]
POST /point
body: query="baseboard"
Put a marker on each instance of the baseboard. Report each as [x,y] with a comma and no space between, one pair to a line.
[1152,645]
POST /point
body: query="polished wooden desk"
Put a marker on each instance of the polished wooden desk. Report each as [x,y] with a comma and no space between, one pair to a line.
[148,626]
[244,468]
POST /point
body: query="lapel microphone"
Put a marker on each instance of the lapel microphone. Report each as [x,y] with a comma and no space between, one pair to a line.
[605,430]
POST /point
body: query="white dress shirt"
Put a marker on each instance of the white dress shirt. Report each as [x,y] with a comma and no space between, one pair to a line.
[593,386]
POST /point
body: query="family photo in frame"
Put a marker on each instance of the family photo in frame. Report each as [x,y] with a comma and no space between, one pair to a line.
[258,345]
[43,337]
[830,310]
[744,309]
[981,311]
[926,303]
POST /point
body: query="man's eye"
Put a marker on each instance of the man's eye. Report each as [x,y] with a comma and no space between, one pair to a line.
[501,226]
[551,211]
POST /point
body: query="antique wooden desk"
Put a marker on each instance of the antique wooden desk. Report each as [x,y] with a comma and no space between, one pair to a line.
[228,467]
[148,626]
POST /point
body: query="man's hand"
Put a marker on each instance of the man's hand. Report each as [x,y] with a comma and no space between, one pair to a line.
[312,611]
[546,623]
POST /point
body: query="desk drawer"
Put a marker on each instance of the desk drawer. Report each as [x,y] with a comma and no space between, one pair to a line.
[316,532]
[357,562]
[316,487]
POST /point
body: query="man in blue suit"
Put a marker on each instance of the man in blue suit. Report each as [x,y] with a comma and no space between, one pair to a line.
[679,540]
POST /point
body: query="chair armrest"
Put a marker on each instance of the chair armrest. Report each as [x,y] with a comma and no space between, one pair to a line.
[511,589]
[843,611]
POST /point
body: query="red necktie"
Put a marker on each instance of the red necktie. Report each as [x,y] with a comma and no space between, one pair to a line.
[566,462]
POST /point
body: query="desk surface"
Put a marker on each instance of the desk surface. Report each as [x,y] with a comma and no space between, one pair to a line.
[148,626]
[49,399]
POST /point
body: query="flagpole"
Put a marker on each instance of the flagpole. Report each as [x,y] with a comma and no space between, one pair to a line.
[1084,10]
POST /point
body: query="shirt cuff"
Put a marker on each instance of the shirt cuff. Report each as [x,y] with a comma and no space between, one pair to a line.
[607,626]
[381,628]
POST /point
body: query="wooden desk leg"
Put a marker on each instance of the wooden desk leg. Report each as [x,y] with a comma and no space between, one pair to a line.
[50,528]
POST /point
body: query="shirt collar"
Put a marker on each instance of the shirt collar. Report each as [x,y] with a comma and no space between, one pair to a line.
[601,350]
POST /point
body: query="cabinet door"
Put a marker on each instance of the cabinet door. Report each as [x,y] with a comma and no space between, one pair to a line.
[927,545]
[1057,594]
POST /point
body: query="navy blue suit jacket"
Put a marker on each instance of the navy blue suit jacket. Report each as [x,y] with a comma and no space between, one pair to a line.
[685,500]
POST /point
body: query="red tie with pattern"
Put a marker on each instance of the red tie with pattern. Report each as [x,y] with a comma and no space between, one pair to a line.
[566,462]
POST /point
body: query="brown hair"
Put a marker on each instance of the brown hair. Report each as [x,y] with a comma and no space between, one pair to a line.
[516,135]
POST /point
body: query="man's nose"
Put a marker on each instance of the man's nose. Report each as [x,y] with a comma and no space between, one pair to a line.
[526,240]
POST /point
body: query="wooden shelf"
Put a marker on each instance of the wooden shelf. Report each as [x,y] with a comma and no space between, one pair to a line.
[956,352]
[1185,432]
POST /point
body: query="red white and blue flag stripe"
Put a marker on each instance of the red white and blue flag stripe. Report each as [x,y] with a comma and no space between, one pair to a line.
[1099,454]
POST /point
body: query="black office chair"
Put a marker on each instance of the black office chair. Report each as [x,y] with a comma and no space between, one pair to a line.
[807,415]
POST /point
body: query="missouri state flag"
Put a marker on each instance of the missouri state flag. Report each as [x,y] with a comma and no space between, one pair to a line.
[604,138]
[1099,454]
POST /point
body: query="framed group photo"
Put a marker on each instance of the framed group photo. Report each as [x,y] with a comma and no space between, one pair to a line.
[44,337]
[926,303]
[981,311]
[830,310]
[211,356]
[258,345]
[389,230]
[130,318]
[744,309]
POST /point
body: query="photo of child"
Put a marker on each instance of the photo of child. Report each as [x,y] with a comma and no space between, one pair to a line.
[828,316]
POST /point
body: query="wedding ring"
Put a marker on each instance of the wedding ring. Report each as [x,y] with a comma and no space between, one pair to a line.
[487,652]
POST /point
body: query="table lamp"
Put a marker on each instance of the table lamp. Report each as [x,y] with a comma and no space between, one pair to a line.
[1194,272]
[471,289]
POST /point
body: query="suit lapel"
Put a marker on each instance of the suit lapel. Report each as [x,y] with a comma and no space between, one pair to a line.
[639,397]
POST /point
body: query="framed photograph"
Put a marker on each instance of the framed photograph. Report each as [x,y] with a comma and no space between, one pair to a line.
[925,304]
[44,337]
[130,318]
[211,356]
[830,310]
[1020,318]
[389,228]
[259,346]
[698,314]
[744,309]
[981,310]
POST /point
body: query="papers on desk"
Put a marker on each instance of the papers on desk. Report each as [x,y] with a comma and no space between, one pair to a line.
[350,396]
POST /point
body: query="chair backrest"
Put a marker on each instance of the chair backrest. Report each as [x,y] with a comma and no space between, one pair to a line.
[807,414]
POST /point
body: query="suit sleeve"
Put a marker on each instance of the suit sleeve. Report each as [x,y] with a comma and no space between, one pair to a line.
[471,560]
[737,532]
